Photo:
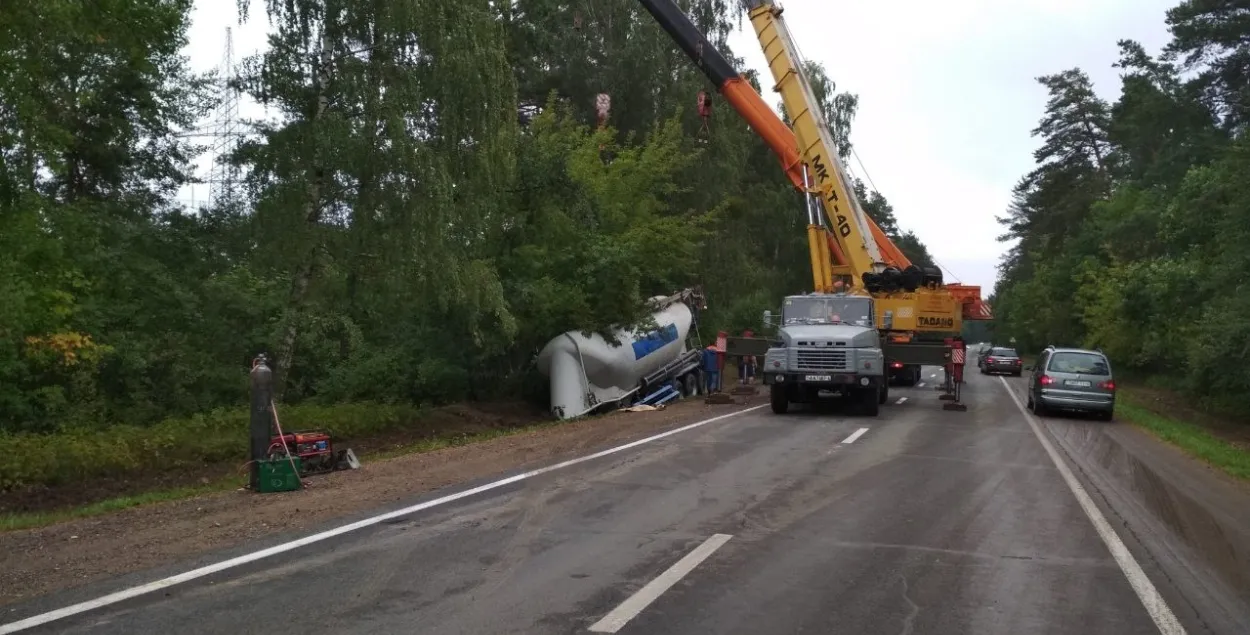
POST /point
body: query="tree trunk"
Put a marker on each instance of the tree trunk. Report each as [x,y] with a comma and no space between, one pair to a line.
[312,216]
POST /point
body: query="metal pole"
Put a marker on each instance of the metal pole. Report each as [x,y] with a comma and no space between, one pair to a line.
[262,415]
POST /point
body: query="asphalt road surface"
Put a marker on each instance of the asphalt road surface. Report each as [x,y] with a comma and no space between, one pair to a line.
[917,521]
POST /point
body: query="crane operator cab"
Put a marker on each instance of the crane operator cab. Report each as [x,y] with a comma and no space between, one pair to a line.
[826,346]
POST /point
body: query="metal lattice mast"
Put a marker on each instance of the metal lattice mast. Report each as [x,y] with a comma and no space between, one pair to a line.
[223,179]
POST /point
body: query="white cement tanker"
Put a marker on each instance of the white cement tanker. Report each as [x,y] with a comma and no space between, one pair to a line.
[589,374]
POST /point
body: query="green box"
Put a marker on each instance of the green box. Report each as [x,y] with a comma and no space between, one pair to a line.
[277,475]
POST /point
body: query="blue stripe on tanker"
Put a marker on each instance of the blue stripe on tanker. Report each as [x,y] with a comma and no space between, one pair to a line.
[654,341]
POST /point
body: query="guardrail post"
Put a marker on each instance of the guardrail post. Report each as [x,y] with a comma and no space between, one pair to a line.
[262,415]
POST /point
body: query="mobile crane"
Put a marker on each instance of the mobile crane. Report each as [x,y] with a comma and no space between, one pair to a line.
[910,305]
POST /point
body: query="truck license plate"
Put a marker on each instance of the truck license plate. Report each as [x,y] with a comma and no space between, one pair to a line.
[819,378]
[1080,384]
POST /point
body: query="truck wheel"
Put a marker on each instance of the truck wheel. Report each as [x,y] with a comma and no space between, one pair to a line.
[883,395]
[777,396]
[869,401]
[691,384]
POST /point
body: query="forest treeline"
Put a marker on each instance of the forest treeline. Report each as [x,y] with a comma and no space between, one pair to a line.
[432,201]
[1134,229]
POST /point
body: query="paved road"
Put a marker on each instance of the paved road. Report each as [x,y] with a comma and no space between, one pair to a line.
[918,521]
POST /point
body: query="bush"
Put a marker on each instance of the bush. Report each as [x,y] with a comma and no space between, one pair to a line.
[217,437]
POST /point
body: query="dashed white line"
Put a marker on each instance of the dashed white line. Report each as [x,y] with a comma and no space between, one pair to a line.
[920,384]
[901,400]
[855,435]
[1155,605]
[164,583]
[634,604]
[932,375]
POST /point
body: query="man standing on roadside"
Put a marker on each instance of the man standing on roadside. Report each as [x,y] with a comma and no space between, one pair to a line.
[746,364]
[711,369]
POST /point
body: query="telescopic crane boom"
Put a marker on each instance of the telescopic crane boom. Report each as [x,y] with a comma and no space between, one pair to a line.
[860,246]
[739,93]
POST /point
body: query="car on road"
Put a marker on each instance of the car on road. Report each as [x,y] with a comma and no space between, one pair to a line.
[1000,359]
[1072,379]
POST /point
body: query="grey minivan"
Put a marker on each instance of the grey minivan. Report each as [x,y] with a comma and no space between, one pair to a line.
[1072,379]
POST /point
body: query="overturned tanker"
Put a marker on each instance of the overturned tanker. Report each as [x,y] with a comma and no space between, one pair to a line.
[589,374]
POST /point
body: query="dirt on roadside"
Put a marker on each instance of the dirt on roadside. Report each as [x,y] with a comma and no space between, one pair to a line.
[48,559]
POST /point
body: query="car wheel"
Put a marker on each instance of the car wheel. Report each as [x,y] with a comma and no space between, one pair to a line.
[1105,415]
[1028,405]
[883,395]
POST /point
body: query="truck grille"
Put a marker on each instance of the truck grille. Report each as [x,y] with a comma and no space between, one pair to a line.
[817,359]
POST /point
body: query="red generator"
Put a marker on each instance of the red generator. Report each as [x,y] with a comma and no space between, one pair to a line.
[313,447]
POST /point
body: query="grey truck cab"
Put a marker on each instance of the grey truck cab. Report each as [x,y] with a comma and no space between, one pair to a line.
[826,345]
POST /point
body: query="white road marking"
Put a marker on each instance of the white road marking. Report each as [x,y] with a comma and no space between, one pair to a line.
[165,583]
[901,400]
[1155,605]
[634,604]
[932,375]
[920,384]
[855,435]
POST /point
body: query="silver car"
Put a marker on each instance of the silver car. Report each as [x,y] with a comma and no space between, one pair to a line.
[1072,379]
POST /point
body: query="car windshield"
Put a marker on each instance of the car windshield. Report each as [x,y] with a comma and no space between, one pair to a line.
[1003,352]
[1079,364]
[827,310]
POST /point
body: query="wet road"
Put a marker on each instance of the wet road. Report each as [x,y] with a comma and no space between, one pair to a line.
[918,521]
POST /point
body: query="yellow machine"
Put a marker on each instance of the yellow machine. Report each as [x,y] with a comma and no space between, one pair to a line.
[915,310]
[907,298]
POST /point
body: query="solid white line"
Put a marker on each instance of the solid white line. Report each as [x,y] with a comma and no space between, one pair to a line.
[920,384]
[126,594]
[1150,598]
[855,435]
[634,604]
[901,400]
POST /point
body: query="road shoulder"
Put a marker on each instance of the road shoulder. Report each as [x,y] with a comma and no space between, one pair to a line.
[1190,522]
[67,555]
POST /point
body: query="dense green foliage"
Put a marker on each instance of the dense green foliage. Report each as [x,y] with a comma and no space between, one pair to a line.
[430,205]
[1133,230]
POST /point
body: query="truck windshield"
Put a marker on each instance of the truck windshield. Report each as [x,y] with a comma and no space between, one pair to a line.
[827,310]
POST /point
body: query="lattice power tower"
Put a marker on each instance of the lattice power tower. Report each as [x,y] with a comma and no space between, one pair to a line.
[223,181]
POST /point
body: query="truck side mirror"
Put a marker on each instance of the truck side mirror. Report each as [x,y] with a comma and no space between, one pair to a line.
[768,318]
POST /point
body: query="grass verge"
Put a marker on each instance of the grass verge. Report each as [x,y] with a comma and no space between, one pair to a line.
[1192,438]
[32,520]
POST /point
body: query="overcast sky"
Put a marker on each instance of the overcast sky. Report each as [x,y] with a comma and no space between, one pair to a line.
[947,95]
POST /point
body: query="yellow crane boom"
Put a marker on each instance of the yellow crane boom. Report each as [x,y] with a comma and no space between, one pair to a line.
[816,144]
